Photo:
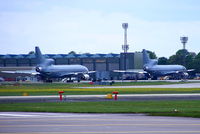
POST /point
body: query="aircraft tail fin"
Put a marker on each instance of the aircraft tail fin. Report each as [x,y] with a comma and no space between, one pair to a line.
[39,58]
[146,58]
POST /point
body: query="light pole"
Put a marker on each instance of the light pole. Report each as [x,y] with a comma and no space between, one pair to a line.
[184,40]
[125,46]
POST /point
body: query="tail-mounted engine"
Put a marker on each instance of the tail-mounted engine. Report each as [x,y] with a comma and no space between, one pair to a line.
[48,62]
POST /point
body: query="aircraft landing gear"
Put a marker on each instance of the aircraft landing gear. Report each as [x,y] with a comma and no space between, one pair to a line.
[67,80]
[70,81]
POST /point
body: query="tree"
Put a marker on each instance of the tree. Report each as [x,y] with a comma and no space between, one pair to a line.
[162,61]
[181,56]
[196,63]
[189,60]
[72,52]
[152,55]
[172,60]
[31,52]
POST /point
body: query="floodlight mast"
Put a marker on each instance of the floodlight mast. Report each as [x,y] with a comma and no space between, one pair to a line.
[125,46]
[184,40]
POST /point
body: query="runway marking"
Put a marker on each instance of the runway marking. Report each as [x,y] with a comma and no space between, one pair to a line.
[108,132]
[72,119]
[8,115]
[17,115]
[42,119]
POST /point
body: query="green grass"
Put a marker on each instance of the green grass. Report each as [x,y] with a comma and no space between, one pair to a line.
[102,91]
[41,85]
[188,108]
[8,89]
[82,91]
[75,85]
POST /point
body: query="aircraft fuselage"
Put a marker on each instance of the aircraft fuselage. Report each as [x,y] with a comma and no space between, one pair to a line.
[162,70]
[57,71]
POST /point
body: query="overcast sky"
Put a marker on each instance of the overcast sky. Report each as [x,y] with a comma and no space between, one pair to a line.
[94,26]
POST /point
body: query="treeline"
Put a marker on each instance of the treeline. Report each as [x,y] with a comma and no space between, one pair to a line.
[190,60]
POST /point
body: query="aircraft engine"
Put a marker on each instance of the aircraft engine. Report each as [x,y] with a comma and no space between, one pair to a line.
[185,75]
[86,76]
[38,69]
[145,68]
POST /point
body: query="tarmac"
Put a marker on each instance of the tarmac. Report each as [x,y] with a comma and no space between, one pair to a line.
[72,123]
[120,97]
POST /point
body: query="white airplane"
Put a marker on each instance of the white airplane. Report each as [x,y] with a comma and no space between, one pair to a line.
[47,70]
[151,67]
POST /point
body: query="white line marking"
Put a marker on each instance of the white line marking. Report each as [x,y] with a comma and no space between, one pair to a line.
[17,115]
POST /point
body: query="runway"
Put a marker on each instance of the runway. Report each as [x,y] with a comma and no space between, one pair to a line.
[69,123]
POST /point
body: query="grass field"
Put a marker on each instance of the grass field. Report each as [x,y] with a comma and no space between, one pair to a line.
[75,85]
[189,108]
[73,89]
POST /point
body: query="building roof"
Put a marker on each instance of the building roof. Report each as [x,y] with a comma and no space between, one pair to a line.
[31,56]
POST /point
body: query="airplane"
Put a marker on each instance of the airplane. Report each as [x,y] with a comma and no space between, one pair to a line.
[155,71]
[46,70]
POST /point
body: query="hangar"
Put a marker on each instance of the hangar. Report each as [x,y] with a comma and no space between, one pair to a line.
[103,64]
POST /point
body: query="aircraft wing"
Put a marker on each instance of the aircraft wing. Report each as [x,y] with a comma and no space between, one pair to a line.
[71,74]
[190,70]
[176,72]
[90,72]
[32,72]
[130,71]
[171,72]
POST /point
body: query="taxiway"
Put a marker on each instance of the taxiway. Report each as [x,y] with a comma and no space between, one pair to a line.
[69,123]
[121,97]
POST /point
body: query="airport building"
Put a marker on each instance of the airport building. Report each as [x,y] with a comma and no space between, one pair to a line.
[103,64]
